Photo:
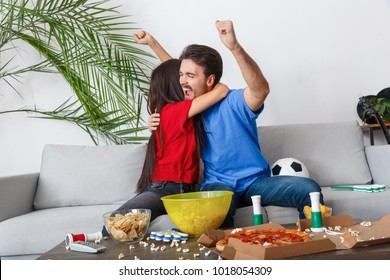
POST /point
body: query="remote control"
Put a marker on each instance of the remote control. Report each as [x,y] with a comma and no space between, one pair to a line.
[85,246]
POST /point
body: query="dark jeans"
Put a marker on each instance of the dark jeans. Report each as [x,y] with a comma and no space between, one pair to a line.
[151,198]
[284,191]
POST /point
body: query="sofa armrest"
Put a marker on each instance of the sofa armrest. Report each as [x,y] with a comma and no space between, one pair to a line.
[17,194]
[378,158]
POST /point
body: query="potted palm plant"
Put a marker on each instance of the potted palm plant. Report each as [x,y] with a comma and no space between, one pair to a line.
[85,42]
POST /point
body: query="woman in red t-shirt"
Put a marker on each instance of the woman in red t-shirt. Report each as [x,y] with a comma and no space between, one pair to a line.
[172,158]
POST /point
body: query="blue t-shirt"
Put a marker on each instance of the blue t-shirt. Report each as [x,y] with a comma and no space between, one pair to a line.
[231,151]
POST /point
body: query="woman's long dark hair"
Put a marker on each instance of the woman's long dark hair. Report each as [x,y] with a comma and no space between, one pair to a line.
[164,89]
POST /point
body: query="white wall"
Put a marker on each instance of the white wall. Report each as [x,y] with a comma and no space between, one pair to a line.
[319,57]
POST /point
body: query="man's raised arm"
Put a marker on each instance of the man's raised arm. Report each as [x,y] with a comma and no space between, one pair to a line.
[258,88]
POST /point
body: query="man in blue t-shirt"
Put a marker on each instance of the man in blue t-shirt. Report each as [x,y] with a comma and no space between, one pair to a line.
[231,153]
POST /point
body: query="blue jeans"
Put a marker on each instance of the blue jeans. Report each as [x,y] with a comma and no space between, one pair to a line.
[151,198]
[284,191]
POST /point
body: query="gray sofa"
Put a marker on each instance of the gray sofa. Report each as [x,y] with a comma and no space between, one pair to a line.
[77,184]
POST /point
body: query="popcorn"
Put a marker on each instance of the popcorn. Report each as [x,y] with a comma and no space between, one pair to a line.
[354,233]
[121,256]
[365,224]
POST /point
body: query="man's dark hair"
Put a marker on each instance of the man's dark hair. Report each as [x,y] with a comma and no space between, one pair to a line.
[207,57]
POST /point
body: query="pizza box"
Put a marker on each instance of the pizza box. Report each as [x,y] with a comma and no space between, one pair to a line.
[351,234]
[238,250]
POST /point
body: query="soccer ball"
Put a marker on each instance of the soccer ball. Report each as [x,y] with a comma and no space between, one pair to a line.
[289,166]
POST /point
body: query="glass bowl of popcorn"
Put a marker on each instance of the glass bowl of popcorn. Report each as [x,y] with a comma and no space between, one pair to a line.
[194,212]
[129,225]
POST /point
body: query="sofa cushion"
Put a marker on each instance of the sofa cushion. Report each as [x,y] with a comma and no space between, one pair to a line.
[378,158]
[332,152]
[360,205]
[39,231]
[88,175]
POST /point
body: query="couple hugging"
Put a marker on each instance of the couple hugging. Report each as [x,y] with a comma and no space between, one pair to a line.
[199,117]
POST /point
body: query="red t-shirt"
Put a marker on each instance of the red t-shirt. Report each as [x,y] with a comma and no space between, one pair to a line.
[178,161]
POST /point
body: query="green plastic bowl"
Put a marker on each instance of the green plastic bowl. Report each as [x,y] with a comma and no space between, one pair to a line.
[194,212]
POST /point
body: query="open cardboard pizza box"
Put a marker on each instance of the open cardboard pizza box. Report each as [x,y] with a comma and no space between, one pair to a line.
[238,250]
[377,233]
[352,235]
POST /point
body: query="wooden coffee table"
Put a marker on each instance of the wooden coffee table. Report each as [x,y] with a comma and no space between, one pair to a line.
[188,250]
[197,252]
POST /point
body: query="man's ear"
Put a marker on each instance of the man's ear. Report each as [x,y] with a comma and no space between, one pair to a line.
[210,81]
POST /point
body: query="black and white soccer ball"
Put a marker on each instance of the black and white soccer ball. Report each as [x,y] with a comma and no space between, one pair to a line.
[289,166]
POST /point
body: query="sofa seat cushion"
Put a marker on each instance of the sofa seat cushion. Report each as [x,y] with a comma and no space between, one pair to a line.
[360,205]
[39,231]
[88,175]
[282,215]
[332,152]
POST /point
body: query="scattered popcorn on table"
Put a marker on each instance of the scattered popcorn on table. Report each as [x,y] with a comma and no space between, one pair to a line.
[98,241]
[106,237]
[181,258]
[163,248]
[365,224]
[131,247]
[196,255]
[337,228]
[207,253]
[121,256]
[372,238]
[67,247]
[341,239]
[178,249]
[136,258]
[354,233]
[186,250]
[154,248]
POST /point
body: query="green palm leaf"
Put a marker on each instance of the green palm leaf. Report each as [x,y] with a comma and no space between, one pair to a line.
[87,44]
